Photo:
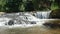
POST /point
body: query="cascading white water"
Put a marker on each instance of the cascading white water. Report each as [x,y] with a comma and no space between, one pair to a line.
[26,19]
[43,14]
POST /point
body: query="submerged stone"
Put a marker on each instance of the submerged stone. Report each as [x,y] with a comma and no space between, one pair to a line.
[52,24]
[33,22]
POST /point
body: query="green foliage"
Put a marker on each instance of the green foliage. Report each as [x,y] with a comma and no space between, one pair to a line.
[2,3]
[12,5]
[20,5]
[36,4]
[55,4]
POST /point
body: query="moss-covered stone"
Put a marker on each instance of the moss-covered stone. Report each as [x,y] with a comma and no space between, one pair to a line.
[55,14]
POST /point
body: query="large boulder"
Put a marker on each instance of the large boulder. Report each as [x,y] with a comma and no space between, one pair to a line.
[52,24]
[55,14]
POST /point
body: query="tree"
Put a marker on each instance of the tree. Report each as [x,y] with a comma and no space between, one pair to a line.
[58,2]
[2,3]
[29,6]
[42,4]
[12,5]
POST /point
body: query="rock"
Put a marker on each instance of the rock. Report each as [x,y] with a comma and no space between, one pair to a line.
[49,25]
[53,24]
[33,22]
[55,14]
[11,22]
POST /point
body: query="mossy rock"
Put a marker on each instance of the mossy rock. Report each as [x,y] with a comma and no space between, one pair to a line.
[55,14]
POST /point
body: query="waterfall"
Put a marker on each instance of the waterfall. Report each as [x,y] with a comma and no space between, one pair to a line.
[24,19]
[43,14]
